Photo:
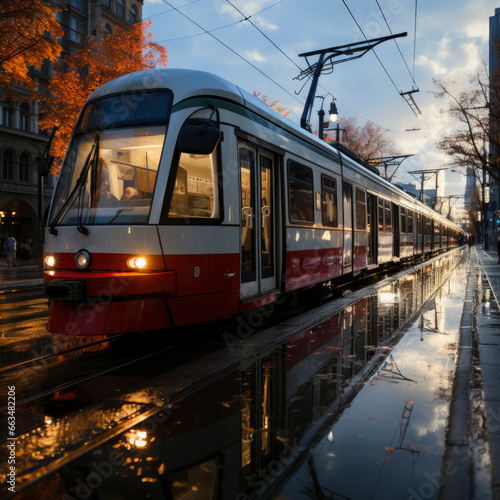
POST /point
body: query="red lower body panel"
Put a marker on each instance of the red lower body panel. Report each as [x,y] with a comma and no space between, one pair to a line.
[91,317]
[202,308]
[307,267]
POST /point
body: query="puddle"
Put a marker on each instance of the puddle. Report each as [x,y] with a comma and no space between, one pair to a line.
[355,407]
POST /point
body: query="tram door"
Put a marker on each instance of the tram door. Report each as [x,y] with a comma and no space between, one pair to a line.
[347,213]
[258,221]
[396,234]
[372,228]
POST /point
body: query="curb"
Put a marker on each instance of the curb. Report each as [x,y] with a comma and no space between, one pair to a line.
[455,470]
[21,284]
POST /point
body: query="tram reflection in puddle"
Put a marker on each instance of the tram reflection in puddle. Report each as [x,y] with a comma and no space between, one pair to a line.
[243,431]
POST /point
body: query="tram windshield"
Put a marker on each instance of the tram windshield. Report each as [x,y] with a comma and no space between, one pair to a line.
[109,173]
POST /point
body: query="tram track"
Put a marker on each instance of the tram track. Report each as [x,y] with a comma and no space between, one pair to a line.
[46,378]
[56,345]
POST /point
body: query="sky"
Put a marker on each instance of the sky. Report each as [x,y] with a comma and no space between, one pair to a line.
[256,45]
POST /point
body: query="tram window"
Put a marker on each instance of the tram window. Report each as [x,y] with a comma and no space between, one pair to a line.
[195,191]
[120,185]
[360,209]
[403,220]
[388,218]
[125,109]
[329,211]
[301,193]
[409,222]
[380,215]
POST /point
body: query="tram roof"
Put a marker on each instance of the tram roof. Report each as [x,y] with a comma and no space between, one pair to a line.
[186,83]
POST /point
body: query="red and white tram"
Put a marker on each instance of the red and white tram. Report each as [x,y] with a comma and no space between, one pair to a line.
[184,199]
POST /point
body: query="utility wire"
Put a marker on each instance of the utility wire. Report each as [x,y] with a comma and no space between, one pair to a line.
[378,58]
[386,72]
[232,50]
[415,39]
[198,34]
[399,50]
[247,18]
[169,10]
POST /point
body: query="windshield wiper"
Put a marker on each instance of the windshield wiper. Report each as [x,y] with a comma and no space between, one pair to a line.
[118,212]
[78,191]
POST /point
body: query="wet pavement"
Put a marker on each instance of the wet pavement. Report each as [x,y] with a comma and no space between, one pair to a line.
[361,397]
[27,274]
[486,335]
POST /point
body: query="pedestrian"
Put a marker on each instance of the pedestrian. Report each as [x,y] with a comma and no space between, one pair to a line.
[10,247]
[26,246]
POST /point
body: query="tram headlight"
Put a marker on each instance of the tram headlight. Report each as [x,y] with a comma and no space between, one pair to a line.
[50,260]
[82,259]
[137,263]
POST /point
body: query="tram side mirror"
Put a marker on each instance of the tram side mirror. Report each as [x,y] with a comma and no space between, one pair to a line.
[199,139]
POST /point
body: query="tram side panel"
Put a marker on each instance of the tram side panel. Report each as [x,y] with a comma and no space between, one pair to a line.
[199,235]
[385,244]
[314,225]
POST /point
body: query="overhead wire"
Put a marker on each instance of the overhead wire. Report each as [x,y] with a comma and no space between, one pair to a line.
[247,18]
[415,39]
[384,68]
[232,50]
[169,10]
[263,34]
[395,41]
[363,33]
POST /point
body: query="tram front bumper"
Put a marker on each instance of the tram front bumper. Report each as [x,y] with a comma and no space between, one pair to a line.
[74,285]
[105,303]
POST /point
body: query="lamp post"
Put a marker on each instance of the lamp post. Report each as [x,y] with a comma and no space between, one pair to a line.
[333,115]
[332,118]
[326,63]
[485,188]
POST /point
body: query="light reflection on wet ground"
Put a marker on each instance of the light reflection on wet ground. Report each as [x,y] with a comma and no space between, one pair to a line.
[352,408]
[392,434]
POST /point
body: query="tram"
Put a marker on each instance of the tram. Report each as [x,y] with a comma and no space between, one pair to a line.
[184,199]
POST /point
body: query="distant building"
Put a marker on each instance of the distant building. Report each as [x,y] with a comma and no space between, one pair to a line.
[494,205]
[470,184]
[21,141]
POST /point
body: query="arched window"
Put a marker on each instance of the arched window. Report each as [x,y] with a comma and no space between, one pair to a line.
[25,117]
[108,30]
[8,165]
[133,15]
[24,168]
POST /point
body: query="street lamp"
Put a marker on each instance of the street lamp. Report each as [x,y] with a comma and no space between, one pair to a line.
[333,115]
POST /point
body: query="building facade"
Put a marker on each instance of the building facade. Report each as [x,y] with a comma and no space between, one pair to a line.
[494,204]
[21,141]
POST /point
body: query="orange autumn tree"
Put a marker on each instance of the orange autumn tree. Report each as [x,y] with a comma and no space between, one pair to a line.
[368,141]
[273,105]
[99,60]
[28,34]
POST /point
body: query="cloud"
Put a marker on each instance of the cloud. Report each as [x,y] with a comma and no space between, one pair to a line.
[263,23]
[255,56]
